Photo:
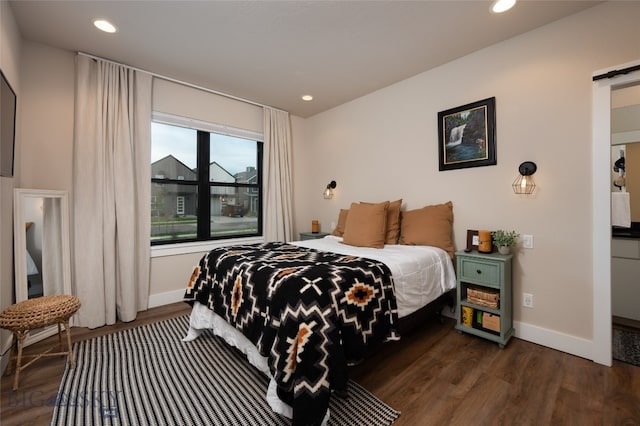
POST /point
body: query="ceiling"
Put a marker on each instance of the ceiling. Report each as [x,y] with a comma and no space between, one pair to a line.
[273,52]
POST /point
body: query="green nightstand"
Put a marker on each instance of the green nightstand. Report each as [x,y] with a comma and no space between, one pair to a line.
[312,235]
[483,279]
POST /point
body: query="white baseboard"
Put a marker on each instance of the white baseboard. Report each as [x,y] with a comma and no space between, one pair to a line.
[161,299]
[555,340]
[550,338]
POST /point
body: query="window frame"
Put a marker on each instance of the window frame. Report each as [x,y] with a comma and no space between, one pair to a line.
[203,237]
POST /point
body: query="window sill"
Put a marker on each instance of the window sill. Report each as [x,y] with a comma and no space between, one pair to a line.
[199,246]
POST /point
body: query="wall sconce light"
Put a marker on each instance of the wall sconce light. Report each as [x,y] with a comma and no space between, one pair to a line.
[328,192]
[524,183]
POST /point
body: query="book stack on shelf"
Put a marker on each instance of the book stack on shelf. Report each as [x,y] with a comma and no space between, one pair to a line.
[480,320]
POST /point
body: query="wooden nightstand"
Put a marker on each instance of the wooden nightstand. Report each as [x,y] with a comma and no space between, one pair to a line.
[483,280]
[312,235]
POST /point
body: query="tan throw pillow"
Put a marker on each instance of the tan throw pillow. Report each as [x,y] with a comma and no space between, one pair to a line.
[342,221]
[393,222]
[366,225]
[428,226]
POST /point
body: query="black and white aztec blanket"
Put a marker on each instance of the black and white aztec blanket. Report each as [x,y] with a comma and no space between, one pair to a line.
[311,313]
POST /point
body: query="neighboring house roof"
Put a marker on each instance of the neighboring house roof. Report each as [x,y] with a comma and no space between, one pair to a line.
[217,173]
[171,168]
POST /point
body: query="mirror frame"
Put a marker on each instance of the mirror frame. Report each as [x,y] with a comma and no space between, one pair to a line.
[20,249]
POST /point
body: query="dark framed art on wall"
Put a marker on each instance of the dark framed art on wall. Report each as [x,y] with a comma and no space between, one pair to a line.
[467,135]
[7,126]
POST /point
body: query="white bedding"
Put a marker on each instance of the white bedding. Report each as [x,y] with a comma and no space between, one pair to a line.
[421,274]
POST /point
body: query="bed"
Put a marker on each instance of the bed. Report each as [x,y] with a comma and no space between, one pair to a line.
[303,312]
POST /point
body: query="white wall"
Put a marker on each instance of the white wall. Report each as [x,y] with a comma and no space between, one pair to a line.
[384,146]
[10,46]
[46,149]
[185,101]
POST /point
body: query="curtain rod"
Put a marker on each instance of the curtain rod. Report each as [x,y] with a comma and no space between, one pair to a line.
[616,73]
[184,83]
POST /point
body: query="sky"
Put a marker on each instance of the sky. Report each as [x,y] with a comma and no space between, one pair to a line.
[234,154]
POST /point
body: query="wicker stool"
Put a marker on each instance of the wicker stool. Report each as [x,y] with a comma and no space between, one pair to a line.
[31,314]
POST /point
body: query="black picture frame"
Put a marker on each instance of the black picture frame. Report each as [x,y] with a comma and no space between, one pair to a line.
[472,239]
[467,135]
[7,126]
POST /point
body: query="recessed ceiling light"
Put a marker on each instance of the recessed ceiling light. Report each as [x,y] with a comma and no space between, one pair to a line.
[104,25]
[500,6]
[307,98]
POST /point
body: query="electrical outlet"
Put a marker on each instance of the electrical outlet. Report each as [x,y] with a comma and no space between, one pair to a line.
[527,300]
[527,241]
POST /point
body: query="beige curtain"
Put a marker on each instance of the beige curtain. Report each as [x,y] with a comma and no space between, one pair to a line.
[111,191]
[277,185]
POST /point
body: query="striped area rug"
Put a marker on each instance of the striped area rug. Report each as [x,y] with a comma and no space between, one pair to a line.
[148,376]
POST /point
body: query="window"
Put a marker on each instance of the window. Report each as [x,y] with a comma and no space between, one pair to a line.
[180,205]
[205,184]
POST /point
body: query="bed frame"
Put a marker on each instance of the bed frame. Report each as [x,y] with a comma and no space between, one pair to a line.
[432,310]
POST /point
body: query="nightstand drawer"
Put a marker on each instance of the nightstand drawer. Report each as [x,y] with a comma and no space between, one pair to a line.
[480,272]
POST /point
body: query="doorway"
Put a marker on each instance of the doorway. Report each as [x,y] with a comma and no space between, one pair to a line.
[625,220]
[601,187]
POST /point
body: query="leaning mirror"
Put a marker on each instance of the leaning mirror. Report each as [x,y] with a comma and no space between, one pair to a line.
[41,247]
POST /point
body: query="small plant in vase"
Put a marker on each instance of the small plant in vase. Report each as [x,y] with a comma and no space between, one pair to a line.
[504,240]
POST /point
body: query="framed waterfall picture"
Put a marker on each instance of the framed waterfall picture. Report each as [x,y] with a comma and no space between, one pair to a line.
[467,135]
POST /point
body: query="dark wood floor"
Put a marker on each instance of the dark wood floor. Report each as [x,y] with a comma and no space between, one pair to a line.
[434,376]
